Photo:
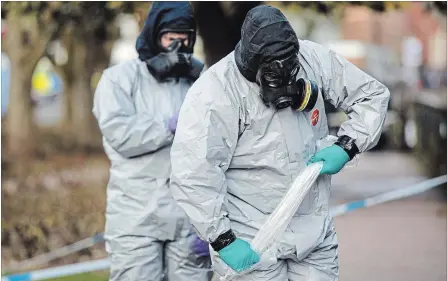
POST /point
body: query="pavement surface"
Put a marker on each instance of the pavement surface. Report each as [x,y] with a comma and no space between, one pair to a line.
[400,240]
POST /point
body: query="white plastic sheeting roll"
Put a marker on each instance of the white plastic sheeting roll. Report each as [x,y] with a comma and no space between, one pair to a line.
[271,231]
[278,221]
[274,227]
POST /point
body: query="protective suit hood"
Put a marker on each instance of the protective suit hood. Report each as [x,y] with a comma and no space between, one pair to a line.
[173,15]
[266,35]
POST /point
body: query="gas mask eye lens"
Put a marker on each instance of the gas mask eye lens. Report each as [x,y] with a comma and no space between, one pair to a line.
[186,37]
[174,44]
[270,77]
[294,71]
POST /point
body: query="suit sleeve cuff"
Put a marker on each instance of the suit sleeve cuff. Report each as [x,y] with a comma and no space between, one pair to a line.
[223,240]
[348,145]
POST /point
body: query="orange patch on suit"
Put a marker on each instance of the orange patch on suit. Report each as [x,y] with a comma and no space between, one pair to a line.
[315,117]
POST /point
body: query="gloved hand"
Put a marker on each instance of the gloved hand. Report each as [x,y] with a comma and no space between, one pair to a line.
[200,247]
[163,64]
[195,69]
[172,123]
[334,159]
[239,255]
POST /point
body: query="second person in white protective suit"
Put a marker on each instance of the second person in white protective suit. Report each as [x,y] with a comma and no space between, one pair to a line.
[247,128]
[136,104]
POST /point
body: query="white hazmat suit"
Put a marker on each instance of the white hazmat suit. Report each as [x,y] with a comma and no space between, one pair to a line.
[234,158]
[146,232]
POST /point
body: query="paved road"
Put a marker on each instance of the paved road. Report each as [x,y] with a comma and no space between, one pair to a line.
[401,240]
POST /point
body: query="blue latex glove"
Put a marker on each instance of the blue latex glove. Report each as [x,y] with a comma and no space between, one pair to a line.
[239,255]
[200,247]
[334,159]
[172,123]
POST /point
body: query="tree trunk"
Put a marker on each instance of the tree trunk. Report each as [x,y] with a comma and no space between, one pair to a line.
[220,28]
[66,71]
[19,121]
[25,44]
[68,114]
[84,124]
[87,59]
[83,121]
[68,117]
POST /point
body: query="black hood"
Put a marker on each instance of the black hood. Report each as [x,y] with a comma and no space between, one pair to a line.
[266,35]
[173,15]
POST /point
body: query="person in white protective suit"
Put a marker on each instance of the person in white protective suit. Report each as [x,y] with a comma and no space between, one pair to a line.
[247,128]
[136,104]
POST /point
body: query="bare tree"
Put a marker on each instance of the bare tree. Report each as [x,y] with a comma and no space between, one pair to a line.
[88,36]
[30,26]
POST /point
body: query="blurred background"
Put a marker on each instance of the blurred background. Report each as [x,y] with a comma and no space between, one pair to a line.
[54,171]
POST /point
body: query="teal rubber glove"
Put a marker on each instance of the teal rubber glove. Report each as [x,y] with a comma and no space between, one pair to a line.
[239,255]
[334,159]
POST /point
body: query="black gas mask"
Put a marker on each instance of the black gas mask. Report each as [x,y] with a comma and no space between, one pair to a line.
[176,60]
[280,88]
[183,64]
[187,46]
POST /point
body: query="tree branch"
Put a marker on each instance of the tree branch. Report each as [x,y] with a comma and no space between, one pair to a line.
[41,29]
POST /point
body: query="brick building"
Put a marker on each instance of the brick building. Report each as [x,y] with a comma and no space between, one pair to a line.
[391,28]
